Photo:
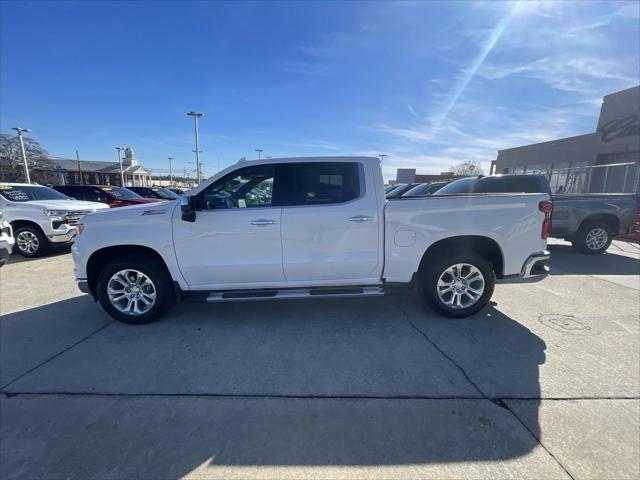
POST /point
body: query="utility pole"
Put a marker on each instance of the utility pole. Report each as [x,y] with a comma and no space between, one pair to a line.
[79,170]
[120,162]
[195,116]
[24,154]
[259,150]
[170,172]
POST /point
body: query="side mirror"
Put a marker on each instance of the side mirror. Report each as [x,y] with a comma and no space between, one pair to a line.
[186,205]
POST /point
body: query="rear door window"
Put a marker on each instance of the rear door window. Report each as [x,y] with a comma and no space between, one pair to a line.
[321,183]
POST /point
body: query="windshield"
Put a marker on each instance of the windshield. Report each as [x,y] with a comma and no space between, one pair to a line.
[397,188]
[424,189]
[121,193]
[464,185]
[29,193]
[164,193]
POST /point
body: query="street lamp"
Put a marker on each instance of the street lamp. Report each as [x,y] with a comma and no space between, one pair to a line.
[120,163]
[195,116]
[24,154]
[259,150]
[170,172]
[382,155]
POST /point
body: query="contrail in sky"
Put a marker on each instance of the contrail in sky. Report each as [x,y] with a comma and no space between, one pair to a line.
[462,83]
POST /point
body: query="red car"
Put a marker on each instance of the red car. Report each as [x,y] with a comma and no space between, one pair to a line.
[111,195]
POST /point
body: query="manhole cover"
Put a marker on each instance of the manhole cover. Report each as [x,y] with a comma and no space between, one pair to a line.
[568,324]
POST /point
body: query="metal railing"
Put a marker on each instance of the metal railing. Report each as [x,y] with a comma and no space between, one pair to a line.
[611,178]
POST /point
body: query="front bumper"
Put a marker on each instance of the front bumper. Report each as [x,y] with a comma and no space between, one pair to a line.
[61,238]
[537,265]
[5,251]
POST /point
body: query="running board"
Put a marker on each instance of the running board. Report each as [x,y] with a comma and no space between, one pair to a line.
[317,292]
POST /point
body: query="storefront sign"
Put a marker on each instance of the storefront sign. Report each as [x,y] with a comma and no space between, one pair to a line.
[624,127]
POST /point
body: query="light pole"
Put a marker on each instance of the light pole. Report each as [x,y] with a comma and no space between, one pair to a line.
[195,116]
[259,150]
[382,155]
[120,163]
[170,172]
[24,154]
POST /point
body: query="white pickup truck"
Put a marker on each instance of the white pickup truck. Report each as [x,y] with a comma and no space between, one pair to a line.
[42,218]
[308,228]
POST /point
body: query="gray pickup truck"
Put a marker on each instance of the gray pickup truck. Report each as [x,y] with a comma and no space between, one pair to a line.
[589,221]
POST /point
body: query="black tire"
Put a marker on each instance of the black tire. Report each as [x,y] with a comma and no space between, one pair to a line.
[28,236]
[153,270]
[431,272]
[586,231]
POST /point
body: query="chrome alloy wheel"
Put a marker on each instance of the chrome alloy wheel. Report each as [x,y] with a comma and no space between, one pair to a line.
[28,242]
[131,292]
[460,286]
[596,238]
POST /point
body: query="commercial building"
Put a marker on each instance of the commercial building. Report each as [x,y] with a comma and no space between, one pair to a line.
[607,160]
[47,170]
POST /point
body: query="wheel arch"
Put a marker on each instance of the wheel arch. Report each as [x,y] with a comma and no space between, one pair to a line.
[16,224]
[487,247]
[607,218]
[101,257]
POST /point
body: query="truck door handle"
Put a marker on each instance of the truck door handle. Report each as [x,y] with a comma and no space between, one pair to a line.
[360,218]
[263,221]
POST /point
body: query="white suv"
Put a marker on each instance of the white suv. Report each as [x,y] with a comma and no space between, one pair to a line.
[41,217]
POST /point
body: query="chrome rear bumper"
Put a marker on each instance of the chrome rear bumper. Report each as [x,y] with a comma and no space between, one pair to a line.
[537,265]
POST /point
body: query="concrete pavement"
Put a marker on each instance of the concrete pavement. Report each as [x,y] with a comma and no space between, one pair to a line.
[544,384]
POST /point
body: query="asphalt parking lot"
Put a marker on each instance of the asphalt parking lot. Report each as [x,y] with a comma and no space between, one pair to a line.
[544,384]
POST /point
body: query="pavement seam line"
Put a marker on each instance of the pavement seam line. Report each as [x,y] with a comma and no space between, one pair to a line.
[539,441]
[442,352]
[56,355]
[497,402]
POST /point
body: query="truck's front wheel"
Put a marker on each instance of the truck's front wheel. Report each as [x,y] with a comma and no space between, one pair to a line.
[31,242]
[457,286]
[135,290]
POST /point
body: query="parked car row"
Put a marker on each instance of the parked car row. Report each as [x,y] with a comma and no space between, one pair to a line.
[413,189]
[42,218]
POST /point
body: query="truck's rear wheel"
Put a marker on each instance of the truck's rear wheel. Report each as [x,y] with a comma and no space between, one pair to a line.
[592,238]
[457,285]
[31,242]
[135,290]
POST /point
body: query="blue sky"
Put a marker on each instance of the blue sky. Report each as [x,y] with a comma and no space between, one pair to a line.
[428,83]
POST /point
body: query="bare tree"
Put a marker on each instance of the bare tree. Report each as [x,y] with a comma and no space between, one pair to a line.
[11,168]
[467,167]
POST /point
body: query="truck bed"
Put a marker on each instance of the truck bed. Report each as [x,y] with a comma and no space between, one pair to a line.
[413,225]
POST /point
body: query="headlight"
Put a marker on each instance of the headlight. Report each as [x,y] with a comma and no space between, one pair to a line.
[56,215]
